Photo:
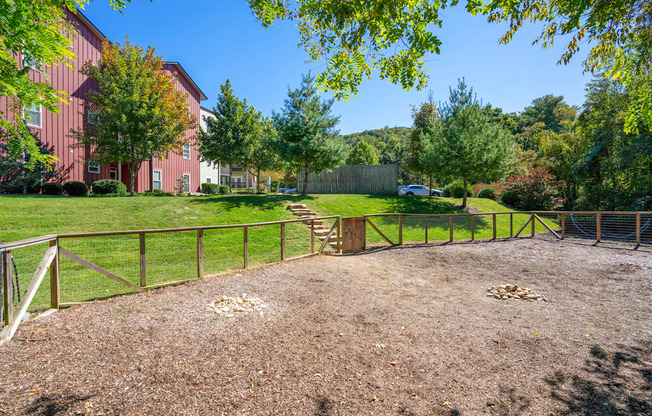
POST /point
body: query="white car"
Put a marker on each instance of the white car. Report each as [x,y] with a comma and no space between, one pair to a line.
[419,190]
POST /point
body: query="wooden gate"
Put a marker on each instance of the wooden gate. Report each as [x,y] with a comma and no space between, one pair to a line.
[353,235]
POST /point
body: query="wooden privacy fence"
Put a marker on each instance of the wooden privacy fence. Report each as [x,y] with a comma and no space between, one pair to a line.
[58,247]
[354,179]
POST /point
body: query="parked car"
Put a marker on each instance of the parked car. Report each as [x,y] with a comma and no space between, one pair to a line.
[288,190]
[418,190]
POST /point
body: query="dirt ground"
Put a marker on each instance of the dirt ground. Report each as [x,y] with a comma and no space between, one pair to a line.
[406,330]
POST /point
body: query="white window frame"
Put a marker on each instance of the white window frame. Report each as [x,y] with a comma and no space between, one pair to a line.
[30,111]
[186,189]
[93,166]
[209,180]
[160,179]
[186,150]
[111,173]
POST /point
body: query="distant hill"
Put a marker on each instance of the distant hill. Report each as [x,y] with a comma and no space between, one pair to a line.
[377,136]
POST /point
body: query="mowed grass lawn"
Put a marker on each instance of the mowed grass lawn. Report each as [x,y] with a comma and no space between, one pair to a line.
[173,256]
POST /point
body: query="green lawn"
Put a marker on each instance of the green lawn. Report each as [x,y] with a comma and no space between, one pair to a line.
[172,256]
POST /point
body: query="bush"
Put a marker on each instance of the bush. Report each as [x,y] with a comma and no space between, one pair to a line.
[274,186]
[210,188]
[538,190]
[224,189]
[74,188]
[51,188]
[109,187]
[487,192]
[157,192]
[456,190]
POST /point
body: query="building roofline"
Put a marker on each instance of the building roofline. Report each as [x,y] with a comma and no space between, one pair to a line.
[207,109]
[183,72]
[90,25]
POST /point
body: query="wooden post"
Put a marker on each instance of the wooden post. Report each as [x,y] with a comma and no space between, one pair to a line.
[450,227]
[511,224]
[7,292]
[494,221]
[143,262]
[55,291]
[426,227]
[533,225]
[598,227]
[200,253]
[282,241]
[563,226]
[638,229]
[312,236]
[400,229]
[339,235]
[245,230]
[472,227]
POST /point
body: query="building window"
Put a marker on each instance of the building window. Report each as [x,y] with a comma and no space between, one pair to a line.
[33,115]
[186,182]
[157,183]
[208,180]
[114,174]
[186,151]
[93,167]
[91,117]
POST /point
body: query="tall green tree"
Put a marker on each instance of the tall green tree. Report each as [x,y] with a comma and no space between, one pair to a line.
[362,154]
[426,119]
[307,139]
[34,35]
[138,112]
[263,156]
[466,145]
[554,114]
[357,38]
[231,135]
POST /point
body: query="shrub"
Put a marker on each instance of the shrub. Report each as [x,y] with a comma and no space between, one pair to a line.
[224,189]
[538,190]
[274,186]
[210,188]
[109,187]
[157,192]
[52,188]
[487,192]
[456,190]
[74,188]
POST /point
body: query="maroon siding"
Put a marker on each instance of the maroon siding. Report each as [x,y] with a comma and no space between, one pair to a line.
[55,128]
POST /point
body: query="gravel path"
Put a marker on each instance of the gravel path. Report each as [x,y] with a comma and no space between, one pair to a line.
[407,330]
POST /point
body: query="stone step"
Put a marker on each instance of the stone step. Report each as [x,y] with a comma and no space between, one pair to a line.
[321,231]
[304,214]
[300,210]
[333,238]
[292,206]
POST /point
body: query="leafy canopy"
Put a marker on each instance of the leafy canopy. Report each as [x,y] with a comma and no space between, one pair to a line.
[362,154]
[138,114]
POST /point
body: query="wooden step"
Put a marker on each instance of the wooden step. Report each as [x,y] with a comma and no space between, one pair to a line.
[321,231]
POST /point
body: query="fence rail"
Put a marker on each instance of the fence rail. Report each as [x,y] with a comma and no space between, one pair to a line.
[139,260]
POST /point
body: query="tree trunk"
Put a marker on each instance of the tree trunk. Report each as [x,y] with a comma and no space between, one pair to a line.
[430,186]
[464,195]
[304,191]
[230,179]
[257,180]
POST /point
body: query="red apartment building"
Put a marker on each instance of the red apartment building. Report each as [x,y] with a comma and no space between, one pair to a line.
[54,129]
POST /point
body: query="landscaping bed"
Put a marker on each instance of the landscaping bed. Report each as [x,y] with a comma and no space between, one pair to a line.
[405,330]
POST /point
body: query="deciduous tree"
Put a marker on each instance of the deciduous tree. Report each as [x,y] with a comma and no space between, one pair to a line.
[362,154]
[138,112]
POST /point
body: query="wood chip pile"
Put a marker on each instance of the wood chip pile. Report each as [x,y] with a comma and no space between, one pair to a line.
[228,306]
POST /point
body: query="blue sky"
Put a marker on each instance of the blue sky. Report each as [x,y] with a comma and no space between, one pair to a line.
[216,40]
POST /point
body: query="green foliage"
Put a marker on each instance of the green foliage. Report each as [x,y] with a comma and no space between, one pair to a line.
[109,186]
[22,174]
[362,154]
[75,188]
[157,192]
[307,139]
[139,114]
[52,188]
[455,189]
[466,145]
[210,188]
[487,192]
[264,156]
[224,189]
[539,190]
[552,111]
[274,186]
[426,119]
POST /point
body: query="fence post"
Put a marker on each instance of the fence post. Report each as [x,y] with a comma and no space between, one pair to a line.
[450,227]
[563,226]
[598,227]
[339,235]
[638,229]
[494,221]
[246,245]
[143,262]
[533,220]
[472,227]
[511,225]
[400,229]
[7,292]
[282,241]
[55,291]
[426,226]
[312,236]
[200,253]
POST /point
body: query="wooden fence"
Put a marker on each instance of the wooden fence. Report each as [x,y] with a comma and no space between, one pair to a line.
[355,179]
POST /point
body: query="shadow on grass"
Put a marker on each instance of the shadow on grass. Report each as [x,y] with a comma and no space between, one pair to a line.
[264,202]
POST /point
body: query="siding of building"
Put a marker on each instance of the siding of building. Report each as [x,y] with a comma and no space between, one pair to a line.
[55,127]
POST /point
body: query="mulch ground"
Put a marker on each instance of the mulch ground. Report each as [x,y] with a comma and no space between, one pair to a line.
[406,330]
